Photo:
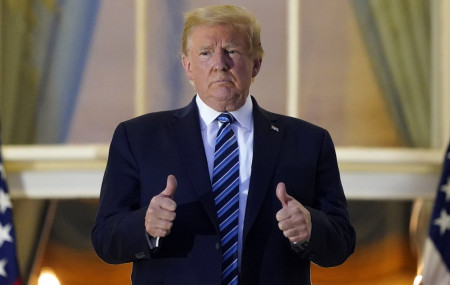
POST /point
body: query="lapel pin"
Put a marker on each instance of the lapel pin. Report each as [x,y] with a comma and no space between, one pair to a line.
[274,128]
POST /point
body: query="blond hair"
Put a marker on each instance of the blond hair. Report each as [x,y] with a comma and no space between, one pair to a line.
[234,16]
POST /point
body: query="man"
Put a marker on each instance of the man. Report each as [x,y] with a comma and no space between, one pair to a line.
[250,198]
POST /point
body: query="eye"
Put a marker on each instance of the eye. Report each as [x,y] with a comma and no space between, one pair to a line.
[230,51]
[204,53]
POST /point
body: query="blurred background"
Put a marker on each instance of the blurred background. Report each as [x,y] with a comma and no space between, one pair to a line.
[373,73]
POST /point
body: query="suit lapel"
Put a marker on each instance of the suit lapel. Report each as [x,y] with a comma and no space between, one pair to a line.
[267,142]
[187,135]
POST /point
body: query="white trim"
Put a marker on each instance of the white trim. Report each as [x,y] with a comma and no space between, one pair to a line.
[390,156]
[62,172]
[48,153]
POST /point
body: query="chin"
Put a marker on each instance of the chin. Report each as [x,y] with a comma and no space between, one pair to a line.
[231,102]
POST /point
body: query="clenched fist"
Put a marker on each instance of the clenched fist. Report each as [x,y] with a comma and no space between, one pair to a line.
[161,211]
[293,219]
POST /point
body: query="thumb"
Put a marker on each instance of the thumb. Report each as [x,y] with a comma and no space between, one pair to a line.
[171,186]
[282,195]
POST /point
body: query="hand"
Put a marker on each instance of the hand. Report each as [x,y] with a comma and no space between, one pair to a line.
[161,211]
[293,219]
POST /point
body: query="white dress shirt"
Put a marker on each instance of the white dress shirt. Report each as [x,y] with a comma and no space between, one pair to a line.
[243,129]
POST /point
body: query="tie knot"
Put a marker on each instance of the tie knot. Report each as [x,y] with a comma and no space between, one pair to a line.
[225,118]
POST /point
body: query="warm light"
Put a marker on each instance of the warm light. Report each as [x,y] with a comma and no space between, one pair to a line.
[418,280]
[48,277]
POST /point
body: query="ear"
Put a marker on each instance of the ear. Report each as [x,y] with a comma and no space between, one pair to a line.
[256,66]
[187,66]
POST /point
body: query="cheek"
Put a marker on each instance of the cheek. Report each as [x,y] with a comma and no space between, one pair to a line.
[245,74]
[199,68]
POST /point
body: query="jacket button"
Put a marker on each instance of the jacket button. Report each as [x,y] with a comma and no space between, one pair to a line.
[140,255]
[217,246]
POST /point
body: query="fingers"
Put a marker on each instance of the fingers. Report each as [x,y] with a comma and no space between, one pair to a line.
[161,210]
[295,228]
[158,227]
[296,235]
[294,220]
[294,223]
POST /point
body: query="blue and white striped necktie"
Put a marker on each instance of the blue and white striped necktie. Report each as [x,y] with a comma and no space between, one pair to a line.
[225,185]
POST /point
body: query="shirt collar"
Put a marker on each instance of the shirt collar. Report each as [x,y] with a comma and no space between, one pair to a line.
[243,115]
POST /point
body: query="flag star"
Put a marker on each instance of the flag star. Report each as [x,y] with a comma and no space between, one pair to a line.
[2,267]
[5,201]
[443,221]
[4,234]
[446,189]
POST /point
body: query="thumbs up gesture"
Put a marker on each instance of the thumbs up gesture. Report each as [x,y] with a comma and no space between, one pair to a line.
[294,220]
[161,211]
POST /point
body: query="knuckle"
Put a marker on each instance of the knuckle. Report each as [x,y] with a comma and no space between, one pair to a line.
[167,225]
[280,226]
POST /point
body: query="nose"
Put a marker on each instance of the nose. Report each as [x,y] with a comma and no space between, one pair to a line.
[221,61]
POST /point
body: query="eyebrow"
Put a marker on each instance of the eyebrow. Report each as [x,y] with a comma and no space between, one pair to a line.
[227,45]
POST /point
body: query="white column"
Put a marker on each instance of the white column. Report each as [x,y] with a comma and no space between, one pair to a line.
[293,57]
[440,70]
[140,100]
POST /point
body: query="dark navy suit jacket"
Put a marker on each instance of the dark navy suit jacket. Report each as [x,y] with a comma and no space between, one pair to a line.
[146,149]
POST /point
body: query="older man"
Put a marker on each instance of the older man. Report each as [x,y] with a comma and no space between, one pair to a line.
[222,191]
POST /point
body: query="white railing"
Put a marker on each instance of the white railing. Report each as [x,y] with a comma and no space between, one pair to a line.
[71,171]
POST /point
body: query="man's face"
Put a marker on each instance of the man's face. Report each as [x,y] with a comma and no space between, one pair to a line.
[220,66]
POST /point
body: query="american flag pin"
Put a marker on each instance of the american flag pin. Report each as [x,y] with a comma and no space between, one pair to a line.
[274,128]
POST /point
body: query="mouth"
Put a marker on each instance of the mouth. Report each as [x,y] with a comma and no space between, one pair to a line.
[222,81]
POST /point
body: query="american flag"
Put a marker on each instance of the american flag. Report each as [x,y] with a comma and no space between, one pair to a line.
[9,270]
[436,269]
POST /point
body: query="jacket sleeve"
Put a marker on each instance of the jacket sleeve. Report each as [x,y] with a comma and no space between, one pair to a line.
[119,235]
[333,237]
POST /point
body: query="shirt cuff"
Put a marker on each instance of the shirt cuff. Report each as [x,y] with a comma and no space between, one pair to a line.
[153,243]
[299,246]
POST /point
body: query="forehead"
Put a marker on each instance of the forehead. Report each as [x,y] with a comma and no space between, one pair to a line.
[225,34]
